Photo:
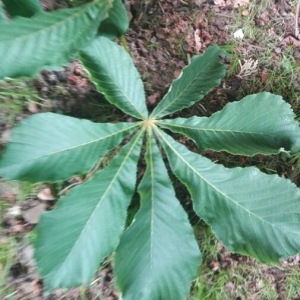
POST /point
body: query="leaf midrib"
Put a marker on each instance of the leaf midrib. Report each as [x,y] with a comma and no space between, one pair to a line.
[106,73]
[210,184]
[169,125]
[220,192]
[152,209]
[78,146]
[138,135]
[181,93]
[65,20]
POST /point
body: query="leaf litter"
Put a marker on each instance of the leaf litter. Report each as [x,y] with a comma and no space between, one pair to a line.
[162,38]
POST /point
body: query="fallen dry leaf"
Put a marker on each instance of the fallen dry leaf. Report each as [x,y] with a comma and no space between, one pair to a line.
[26,254]
[32,214]
[214,265]
[16,227]
[264,75]
[237,3]
[152,99]
[46,195]
[290,40]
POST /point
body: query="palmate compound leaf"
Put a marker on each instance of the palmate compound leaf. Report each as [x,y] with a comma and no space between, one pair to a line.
[48,39]
[87,223]
[117,22]
[261,123]
[196,80]
[112,70]
[52,147]
[158,255]
[22,8]
[250,212]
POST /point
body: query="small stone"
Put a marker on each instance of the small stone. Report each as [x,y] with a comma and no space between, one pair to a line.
[32,215]
[238,34]
[44,89]
[245,12]
[176,73]
[32,107]
[229,286]
[5,136]
[27,255]
[278,50]
[153,39]
[14,211]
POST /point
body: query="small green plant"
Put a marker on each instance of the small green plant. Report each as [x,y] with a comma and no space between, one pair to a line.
[157,256]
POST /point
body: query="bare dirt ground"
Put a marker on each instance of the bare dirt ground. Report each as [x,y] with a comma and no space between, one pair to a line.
[162,38]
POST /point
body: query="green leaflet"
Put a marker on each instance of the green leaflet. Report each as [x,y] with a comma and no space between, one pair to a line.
[270,128]
[23,8]
[250,212]
[158,255]
[2,15]
[87,224]
[48,40]
[197,79]
[115,76]
[117,22]
[55,147]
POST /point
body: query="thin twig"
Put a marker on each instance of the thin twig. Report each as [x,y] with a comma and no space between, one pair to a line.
[161,7]
[62,192]
[297,20]
[88,175]
[96,167]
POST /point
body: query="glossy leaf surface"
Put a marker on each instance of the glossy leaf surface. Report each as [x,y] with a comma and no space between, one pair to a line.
[112,70]
[196,80]
[250,212]
[48,39]
[87,224]
[23,8]
[158,255]
[52,147]
[117,22]
[270,128]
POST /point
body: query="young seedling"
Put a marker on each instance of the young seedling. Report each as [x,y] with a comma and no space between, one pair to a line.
[157,256]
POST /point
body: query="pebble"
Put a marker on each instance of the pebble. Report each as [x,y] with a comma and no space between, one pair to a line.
[278,50]
[32,107]
[153,39]
[5,136]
